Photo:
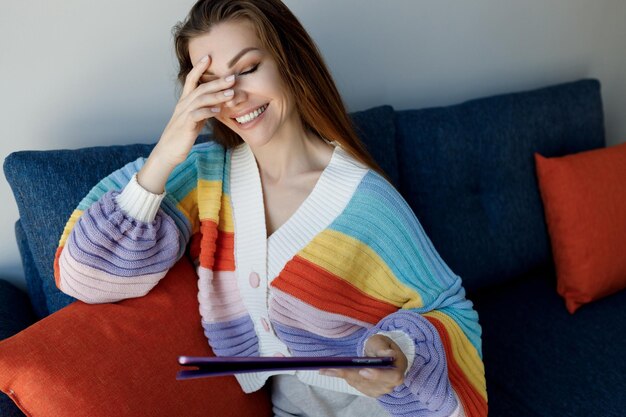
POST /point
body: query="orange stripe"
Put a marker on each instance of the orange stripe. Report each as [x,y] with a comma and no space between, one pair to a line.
[316,286]
[474,404]
[225,255]
[57,270]
[215,248]
[208,229]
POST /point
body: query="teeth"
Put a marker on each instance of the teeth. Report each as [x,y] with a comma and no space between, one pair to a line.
[252,115]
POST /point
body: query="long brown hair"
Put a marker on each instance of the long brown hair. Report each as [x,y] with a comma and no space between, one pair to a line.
[299,62]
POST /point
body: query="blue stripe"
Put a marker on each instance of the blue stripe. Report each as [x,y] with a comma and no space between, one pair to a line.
[205,161]
[394,229]
[115,181]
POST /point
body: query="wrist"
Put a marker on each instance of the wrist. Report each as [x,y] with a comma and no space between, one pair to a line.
[139,203]
[154,174]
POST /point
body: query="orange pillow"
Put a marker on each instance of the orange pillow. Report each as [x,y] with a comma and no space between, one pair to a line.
[120,359]
[584,197]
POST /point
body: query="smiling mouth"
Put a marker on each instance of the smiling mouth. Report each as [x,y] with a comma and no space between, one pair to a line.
[252,115]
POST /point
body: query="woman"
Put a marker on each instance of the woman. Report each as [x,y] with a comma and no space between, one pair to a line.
[302,247]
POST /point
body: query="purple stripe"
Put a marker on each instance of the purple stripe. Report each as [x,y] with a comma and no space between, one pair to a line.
[403,403]
[305,343]
[232,338]
[106,239]
[426,389]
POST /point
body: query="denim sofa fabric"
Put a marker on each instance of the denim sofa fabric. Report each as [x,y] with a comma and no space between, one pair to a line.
[33,280]
[376,128]
[542,361]
[468,173]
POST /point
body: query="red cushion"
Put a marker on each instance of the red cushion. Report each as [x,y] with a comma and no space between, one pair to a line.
[584,197]
[120,359]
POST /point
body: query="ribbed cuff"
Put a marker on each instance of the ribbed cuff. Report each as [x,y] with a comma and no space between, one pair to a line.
[139,203]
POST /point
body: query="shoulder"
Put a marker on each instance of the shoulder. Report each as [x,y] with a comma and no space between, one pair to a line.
[372,194]
[377,206]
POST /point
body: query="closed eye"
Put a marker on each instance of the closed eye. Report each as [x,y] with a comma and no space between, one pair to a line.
[251,70]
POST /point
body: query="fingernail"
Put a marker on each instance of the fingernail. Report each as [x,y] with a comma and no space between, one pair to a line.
[328,372]
[215,109]
[229,78]
[204,58]
[229,92]
[366,373]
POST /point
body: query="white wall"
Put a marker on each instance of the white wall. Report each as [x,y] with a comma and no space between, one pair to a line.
[80,73]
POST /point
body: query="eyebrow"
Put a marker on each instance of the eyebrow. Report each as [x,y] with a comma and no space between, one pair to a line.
[236,58]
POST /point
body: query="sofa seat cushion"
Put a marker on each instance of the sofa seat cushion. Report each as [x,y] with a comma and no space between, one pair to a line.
[542,361]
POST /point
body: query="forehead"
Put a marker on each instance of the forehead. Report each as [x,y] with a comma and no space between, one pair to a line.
[223,41]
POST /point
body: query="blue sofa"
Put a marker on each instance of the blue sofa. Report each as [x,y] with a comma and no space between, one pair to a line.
[468,173]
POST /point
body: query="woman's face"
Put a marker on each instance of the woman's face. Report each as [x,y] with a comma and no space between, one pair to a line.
[261,107]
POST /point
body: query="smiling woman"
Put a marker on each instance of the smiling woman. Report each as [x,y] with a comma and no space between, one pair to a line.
[302,246]
[261,107]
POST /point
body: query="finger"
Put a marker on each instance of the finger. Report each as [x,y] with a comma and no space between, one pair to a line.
[207,78]
[191,81]
[391,377]
[332,372]
[388,352]
[202,114]
[346,374]
[212,100]
[368,373]
[377,343]
[221,89]
[378,374]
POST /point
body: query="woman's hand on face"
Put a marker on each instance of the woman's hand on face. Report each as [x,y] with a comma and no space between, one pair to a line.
[198,103]
[375,382]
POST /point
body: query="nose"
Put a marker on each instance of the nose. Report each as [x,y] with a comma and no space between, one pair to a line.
[239,97]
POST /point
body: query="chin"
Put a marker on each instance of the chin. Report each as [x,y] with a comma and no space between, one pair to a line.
[256,140]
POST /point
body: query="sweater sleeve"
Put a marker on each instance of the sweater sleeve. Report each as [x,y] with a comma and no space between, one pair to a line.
[121,240]
[446,375]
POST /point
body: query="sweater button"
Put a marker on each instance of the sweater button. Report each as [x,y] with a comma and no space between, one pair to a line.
[254,280]
[265,324]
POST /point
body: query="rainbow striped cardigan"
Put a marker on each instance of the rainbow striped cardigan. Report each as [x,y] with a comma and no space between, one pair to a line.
[352,261]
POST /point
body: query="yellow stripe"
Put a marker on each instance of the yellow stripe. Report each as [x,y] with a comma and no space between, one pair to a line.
[465,355]
[69,226]
[189,207]
[209,200]
[226,216]
[363,268]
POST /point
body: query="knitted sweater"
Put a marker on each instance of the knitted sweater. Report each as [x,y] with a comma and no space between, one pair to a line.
[352,261]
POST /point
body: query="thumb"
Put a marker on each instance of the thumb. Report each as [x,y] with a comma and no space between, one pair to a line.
[379,345]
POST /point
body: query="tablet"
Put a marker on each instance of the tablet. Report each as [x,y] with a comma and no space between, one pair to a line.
[219,366]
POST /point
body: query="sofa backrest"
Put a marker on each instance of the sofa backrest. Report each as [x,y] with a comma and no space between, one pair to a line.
[466,170]
[468,173]
[48,185]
